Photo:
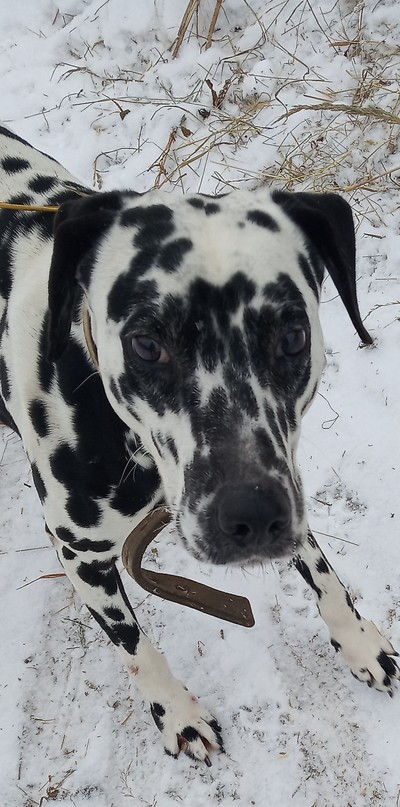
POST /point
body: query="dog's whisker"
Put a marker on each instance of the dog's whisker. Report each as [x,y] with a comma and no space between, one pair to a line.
[95,372]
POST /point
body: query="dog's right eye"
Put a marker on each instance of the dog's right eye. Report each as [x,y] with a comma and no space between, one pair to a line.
[149,350]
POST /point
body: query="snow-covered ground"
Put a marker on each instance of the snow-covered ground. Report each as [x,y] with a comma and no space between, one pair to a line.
[305,96]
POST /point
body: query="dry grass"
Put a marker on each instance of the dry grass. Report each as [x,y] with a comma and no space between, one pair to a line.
[328,140]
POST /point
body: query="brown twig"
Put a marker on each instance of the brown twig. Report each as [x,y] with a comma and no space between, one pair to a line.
[191,9]
[213,23]
[368,111]
[42,577]
[160,164]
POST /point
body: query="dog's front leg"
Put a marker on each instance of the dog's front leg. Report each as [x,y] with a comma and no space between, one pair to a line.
[183,722]
[365,650]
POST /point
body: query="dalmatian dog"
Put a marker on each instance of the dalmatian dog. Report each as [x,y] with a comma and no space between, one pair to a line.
[204,313]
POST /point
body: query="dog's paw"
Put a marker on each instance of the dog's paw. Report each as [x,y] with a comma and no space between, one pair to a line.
[187,726]
[369,655]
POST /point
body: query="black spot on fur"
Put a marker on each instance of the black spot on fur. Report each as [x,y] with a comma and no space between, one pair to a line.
[336,645]
[119,632]
[206,299]
[211,208]
[67,469]
[309,275]
[22,199]
[266,451]
[172,255]
[153,224]
[322,566]
[6,418]
[196,202]
[238,353]
[281,416]
[38,482]
[272,423]
[158,713]
[115,391]
[240,392]
[127,292]
[114,613]
[99,575]
[12,165]
[304,570]
[106,627]
[84,512]
[127,635]
[387,664]
[171,445]
[3,324]
[103,624]
[89,545]
[263,219]
[6,246]
[65,535]
[4,380]
[45,368]
[41,183]
[349,601]
[83,544]
[67,553]
[283,291]
[189,734]
[212,419]
[39,417]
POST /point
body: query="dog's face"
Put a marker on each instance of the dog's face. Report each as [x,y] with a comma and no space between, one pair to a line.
[205,317]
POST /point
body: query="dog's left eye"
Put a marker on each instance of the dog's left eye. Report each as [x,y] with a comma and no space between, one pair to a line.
[292,342]
[149,350]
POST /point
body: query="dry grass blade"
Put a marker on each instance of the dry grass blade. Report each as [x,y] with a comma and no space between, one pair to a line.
[160,164]
[42,577]
[370,180]
[213,23]
[228,131]
[191,9]
[368,111]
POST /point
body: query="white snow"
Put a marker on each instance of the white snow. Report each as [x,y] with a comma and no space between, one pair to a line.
[95,85]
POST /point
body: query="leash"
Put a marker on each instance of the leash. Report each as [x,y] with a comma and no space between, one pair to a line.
[229,607]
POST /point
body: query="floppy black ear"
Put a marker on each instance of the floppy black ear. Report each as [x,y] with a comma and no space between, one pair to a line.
[78,226]
[327,221]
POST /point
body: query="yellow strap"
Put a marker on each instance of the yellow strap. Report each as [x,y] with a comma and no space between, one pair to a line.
[35,208]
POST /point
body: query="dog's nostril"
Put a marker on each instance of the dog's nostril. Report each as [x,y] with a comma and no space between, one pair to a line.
[279,525]
[241,530]
[277,528]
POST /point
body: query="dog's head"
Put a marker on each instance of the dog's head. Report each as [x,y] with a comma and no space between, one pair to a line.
[205,316]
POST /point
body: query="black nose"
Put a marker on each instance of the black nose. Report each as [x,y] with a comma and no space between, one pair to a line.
[251,516]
